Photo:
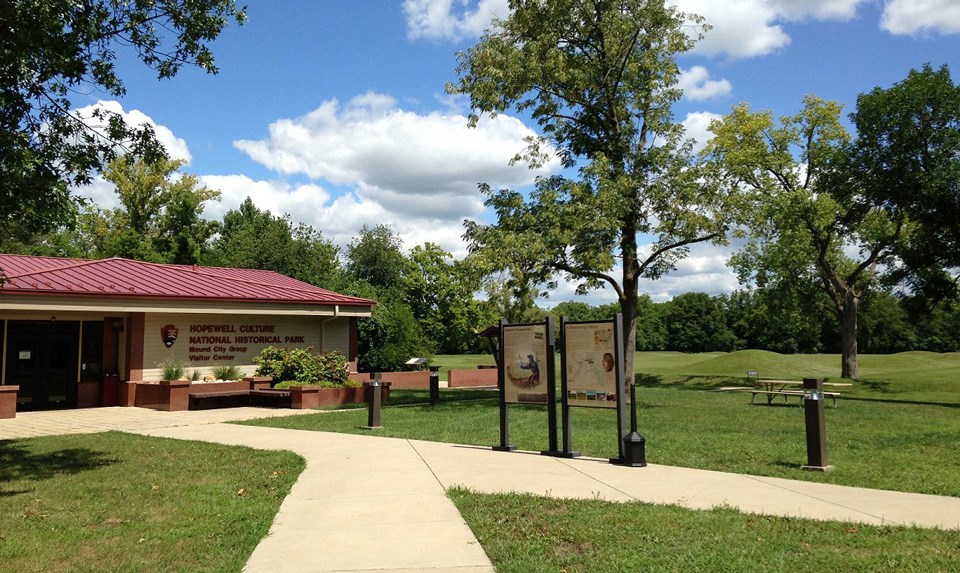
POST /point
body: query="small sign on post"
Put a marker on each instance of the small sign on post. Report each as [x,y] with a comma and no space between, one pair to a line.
[373,404]
[816,426]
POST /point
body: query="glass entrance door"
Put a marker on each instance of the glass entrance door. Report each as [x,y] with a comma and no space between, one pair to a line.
[42,360]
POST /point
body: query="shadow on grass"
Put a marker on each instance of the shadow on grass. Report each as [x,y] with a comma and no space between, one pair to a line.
[18,462]
[696,383]
[891,401]
[876,385]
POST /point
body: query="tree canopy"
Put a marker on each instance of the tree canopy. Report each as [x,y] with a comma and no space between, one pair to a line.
[51,49]
[254,239]
[159,215]
[908,153]
[808,218]
[599,77]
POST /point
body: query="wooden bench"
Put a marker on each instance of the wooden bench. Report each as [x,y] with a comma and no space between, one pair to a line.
[270,398]
[227,399]
[770,389]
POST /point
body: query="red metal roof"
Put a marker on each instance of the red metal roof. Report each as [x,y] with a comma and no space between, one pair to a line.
[126,278]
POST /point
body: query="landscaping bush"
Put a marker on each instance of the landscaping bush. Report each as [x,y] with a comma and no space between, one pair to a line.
[303,367]
[172,369]
[229,372]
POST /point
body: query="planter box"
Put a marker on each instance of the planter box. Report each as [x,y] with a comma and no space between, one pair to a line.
[463,378]
[8,401]
[399,380]
[166,395]
[200,388]
[309,397]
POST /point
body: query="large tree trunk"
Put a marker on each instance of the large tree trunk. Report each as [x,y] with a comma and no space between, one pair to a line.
[848,336]
[628,311]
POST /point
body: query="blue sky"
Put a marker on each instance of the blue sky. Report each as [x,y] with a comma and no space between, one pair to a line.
[335,111]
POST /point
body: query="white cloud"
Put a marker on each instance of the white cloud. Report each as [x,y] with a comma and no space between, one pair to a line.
[798,10]
[704,270]
[451,19]
[697,127]
[740,28]
[339,219]
[413,164]
[907,17]
[175,146]
[749,28]
[697,85]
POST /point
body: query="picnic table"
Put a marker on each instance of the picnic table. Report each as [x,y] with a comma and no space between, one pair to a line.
[771,389]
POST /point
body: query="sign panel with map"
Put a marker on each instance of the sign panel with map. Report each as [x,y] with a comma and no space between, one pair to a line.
[590,351]
[524,372]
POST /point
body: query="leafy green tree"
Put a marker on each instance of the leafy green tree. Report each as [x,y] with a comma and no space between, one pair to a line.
[159,217]
[599,77]
[886,327]
[390,337]
[254,239]
[439,292]
[695,322]
[908,137]
[375,256]
[806,209]
[52,49]
[651,327]
[938,325]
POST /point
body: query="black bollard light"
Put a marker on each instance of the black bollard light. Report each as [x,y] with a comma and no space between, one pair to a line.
[816,426]
[434,385]
[373,404]
[634,445]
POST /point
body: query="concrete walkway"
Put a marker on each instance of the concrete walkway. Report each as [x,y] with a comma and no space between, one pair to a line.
[378,504]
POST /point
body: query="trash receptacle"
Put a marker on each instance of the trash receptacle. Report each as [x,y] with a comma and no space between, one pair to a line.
[110,390]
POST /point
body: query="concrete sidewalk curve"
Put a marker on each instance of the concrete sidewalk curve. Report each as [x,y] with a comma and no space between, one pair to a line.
[378,504]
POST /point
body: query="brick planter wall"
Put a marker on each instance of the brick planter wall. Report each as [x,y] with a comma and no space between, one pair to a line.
[464,378]
[308,397]
[166,395]
[8,401]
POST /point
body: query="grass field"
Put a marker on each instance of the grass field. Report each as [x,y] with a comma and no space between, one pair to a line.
[124,503]
[897,431]
[529,534]
[925,377]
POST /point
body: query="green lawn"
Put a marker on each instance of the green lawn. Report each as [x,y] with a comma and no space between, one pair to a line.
[897,430]
[124,503]
[908,376]
[528,534]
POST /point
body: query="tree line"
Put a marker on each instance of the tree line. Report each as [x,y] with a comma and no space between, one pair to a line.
[833,219]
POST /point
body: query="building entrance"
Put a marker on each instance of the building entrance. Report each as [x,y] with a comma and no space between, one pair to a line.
[42,359]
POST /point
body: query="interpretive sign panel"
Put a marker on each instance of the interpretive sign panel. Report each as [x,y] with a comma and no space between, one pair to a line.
[590,349]
[524,373]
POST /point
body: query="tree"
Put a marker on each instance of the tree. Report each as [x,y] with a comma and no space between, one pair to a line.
[375,257]
[908,152]
[806,210]
[439,292]
[697,323]
[390,337]
[254,239]
[599,77]
[52,49]
[159,217]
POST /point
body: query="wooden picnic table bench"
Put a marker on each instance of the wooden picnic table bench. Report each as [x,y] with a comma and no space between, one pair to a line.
[771,389]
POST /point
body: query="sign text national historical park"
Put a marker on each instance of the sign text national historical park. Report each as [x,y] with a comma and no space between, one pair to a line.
[223,342]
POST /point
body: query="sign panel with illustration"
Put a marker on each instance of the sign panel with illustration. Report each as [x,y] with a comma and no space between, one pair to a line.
[591,364]
[524,370]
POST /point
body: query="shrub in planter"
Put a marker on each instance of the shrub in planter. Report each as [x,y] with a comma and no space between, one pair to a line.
[303,367]
[230,372]
[172,369]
